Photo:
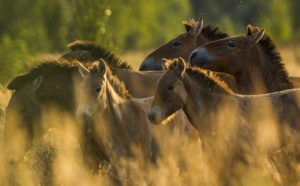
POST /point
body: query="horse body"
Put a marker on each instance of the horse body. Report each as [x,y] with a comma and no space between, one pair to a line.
[221,117]
[253,60]
[182,45]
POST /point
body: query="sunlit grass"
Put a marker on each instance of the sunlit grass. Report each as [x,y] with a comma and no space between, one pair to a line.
[56,158]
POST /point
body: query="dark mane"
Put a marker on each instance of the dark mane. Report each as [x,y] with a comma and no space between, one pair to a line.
[270,49]
[87,51]
[211,81]
[115,82]
[45,68]
[208,31]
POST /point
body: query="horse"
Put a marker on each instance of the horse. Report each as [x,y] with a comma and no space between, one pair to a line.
[138,83]
[118,121]
[230,125]
[49,84]
[183,44]
[253,60]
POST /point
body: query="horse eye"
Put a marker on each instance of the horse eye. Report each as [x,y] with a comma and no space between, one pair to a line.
[171,87]
[176,44]
[231,44]
[98,89]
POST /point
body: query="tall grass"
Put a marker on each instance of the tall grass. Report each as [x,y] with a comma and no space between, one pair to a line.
[56,157]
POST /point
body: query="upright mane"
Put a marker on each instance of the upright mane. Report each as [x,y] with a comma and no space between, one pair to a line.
[115,82]
[270,49]
[47,67]
[87,51]
[210,80]
[208,31]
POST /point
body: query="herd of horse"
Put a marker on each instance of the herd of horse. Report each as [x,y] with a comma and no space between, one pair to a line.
[215,90]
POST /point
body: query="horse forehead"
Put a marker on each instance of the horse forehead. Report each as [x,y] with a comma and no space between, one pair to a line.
[167,78]
[237,39]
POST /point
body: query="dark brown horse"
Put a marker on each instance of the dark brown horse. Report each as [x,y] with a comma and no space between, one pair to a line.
[224,119]
[118,121]
[182,45]
[253,60]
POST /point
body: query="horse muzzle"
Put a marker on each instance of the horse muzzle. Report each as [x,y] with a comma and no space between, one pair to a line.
[200,57]
[155,116]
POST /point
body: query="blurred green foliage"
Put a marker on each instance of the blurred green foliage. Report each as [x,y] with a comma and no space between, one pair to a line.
[30,28]
[280,18]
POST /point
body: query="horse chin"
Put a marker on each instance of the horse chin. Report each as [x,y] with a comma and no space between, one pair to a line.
[155,117]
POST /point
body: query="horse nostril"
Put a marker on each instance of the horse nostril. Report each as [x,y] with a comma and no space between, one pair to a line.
[142,67]
[192,57]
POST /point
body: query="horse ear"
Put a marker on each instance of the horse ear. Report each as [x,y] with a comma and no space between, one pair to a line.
[251,30]
[17,82]
[82,70]
[164,64]
[256,37]
[102,69]
[181,66]
[36,83]
[196,30]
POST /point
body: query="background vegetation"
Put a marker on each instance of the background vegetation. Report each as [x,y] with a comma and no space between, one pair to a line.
[30,28]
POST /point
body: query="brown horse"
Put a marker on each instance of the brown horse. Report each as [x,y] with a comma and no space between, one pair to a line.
[224,119]
[51,85]
[138,83]
[118,121]
[46,86]
[253,60]
[183,44]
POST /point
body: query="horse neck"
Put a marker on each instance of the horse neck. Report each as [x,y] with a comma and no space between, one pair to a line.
[109,96]
[111,119]
[263,74]
[62,93]
[202,105]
